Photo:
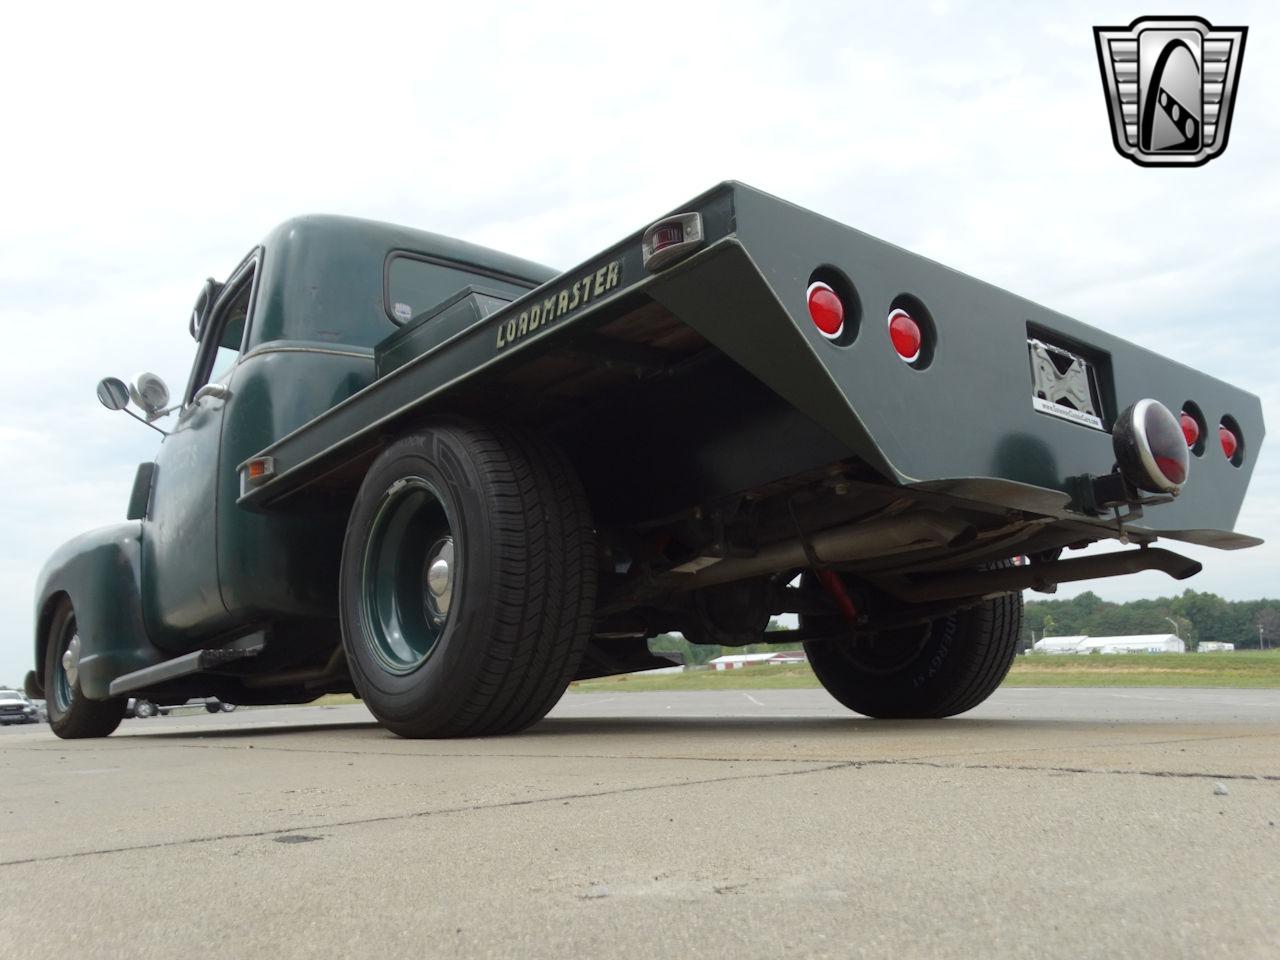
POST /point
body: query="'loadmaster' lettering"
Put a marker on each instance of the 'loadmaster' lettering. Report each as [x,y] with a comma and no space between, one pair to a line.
[589,288]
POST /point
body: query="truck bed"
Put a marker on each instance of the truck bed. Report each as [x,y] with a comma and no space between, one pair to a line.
[707,377]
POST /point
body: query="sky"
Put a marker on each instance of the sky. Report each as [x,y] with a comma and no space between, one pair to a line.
[146,147]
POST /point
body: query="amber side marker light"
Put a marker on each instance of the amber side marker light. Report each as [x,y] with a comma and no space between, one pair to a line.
[256,472]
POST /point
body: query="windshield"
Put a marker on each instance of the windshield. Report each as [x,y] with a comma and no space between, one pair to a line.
[415,286]
[11,695]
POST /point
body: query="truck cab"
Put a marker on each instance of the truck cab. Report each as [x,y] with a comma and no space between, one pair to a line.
[288,335]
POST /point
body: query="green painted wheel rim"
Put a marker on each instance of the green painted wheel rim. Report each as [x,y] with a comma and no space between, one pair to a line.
[411,575]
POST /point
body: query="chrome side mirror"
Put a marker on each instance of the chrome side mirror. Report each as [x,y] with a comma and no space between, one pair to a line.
[113,393]
[204,306]
[147,390]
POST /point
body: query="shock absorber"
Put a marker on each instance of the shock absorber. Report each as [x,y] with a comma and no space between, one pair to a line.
[835,588]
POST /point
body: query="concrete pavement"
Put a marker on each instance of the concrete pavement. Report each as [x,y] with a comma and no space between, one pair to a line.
[1071,823]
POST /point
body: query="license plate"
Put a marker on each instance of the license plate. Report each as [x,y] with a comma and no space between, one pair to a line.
[1063,384]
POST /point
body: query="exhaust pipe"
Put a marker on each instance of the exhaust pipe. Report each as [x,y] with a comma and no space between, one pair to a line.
[954,586]
[857,541]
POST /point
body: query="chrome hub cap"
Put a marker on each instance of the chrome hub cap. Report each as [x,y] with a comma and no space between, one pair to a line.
[440,578]
[71,661]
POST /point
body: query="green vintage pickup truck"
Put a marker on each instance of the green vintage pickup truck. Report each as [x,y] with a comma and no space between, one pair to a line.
[452,481]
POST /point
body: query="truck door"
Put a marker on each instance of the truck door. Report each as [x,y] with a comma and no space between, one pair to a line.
[182,599]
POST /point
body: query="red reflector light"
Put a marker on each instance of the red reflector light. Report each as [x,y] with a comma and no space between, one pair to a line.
[1190,429]
[906,336]
[826,310]
[1230,442]
[666,235]
[670,239]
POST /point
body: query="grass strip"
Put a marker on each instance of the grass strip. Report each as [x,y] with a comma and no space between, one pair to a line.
[1251,669]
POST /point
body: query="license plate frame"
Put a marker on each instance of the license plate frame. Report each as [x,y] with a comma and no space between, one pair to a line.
[1064,384]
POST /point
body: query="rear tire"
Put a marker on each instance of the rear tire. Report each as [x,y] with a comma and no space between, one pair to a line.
[72,715]
[940,669]
[468,581]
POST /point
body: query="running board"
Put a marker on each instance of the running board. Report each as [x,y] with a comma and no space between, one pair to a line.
[198,661]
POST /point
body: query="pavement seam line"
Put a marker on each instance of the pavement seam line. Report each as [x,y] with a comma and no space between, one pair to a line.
[561,798]
[923,761]
[1097,771]
[173,741]
[422,814]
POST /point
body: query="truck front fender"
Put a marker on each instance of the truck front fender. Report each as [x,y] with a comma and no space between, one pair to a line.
[99,573]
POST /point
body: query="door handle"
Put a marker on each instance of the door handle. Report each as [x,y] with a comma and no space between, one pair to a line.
[218,391]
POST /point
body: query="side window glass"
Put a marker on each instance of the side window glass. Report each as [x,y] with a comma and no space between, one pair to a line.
[414,285]
[232,337]
[220,345]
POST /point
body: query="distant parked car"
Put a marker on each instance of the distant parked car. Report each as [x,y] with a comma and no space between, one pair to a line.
[16,708]
[142,709]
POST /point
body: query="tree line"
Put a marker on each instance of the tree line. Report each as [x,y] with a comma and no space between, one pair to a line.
[1200,618]
[697,654]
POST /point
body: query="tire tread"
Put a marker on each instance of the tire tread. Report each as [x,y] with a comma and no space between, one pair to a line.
[542,582]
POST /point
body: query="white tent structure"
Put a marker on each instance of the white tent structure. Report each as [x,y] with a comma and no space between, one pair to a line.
[1058,644]
[735,661]
[1143,643]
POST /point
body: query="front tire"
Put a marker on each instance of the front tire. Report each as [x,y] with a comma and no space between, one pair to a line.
[468,581]
[72,715]
[938,669]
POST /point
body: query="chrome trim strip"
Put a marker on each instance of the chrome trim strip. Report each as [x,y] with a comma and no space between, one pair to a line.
[326,351]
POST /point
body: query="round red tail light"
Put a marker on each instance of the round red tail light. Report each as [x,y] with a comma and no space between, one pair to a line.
[906,336]
[1190,429]
[826,310]
[1151,447]
[1230,442]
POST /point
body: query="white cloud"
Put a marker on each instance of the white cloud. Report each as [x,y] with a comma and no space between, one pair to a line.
[147,148]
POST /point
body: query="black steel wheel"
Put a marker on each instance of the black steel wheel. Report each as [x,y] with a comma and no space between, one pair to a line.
[936,669]
[72,715]
[468,581]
